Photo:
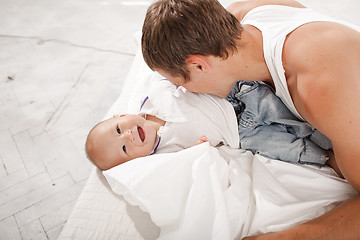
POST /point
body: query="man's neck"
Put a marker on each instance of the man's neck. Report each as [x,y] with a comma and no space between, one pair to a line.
[249,59]
[159,122]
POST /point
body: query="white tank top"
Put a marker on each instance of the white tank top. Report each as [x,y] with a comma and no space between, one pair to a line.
[275,23]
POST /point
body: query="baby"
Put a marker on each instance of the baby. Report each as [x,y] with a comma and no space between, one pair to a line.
[170,119]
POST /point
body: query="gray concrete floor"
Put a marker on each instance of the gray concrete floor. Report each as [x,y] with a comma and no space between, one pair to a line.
[62,65]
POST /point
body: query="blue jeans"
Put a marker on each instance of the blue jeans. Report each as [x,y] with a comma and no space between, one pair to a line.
[267,127]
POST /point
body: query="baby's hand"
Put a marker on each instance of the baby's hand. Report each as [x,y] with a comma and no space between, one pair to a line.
[202,140]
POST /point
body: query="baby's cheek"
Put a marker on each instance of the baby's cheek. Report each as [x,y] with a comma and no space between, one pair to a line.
[144,150]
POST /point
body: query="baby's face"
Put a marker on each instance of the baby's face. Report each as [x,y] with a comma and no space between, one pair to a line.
[123,138]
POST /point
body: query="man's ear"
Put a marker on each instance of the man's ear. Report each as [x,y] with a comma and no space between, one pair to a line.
[197,63]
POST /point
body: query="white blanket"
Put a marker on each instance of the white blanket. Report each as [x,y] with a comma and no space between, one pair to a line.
[208,193]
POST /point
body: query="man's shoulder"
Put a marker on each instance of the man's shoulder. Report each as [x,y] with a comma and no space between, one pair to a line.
[323,60]
[240,9]
[315,52]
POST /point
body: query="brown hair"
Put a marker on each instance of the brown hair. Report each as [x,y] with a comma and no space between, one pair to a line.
[173,30]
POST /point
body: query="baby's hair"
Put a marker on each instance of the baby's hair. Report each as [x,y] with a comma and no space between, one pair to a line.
[90,147]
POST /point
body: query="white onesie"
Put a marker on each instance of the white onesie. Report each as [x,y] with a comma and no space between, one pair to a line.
[275,23]
[188,116]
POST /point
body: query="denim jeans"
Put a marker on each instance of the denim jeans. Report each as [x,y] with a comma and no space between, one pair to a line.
[267,127]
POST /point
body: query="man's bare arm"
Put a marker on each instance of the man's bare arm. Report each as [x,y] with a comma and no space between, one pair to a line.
[327,93]
[340,223]
[325,86]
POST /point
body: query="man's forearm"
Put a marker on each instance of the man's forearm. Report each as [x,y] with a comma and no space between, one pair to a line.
[340,223]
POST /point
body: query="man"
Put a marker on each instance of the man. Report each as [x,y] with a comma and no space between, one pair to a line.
[311,60]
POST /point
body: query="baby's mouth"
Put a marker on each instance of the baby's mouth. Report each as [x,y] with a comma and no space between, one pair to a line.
[141,133]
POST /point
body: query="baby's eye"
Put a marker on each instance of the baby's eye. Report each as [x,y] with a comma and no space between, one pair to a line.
[124,148]
[118,130]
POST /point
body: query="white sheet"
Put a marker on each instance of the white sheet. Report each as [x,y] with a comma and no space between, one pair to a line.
[206,193]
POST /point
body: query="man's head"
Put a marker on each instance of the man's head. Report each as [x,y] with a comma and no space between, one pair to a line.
[120,139]
[175,30]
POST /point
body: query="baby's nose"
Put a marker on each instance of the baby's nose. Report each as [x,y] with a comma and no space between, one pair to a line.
[129,135]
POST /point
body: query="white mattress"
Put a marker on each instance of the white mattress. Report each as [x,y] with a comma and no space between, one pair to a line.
[98,212]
